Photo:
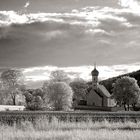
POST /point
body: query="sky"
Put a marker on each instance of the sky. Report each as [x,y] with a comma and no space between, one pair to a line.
[39,36]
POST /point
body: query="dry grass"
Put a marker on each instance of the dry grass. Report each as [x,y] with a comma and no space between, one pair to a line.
[71,135]
[43,130]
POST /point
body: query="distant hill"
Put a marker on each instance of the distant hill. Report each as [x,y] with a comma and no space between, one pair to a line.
[108,82]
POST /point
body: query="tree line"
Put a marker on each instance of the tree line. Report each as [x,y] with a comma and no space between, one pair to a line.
[60,92]
[57,93]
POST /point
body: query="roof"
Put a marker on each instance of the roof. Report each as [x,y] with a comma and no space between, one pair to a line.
[95,72]
[102,91]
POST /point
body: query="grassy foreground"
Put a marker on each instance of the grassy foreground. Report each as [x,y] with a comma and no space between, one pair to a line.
[43,130]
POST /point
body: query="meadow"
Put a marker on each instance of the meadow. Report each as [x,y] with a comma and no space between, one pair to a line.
[43,129]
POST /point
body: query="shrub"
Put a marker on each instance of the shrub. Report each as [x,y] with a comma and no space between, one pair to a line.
[34,99]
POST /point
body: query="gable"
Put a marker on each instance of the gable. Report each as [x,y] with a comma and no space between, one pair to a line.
[94,98]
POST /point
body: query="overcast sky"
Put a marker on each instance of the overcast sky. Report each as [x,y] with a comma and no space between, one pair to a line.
[66,33]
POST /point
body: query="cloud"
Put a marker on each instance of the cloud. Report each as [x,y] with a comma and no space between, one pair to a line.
[53,34]
[79,36]
[132,4]
[96,32]
[42,73]
[27,4]
[92,19]
[88,16]
[69,38]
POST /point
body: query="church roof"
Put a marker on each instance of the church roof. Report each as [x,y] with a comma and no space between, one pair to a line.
[102,91]
[95,72]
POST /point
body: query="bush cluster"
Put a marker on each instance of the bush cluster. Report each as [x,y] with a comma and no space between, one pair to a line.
[34,99]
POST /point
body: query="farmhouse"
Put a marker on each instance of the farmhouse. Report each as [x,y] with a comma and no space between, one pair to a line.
[98,95]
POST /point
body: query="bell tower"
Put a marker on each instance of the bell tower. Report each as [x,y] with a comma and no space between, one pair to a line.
[95,74]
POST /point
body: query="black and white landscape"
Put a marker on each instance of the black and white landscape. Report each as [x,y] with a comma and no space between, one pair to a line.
[69,69]
[41,36]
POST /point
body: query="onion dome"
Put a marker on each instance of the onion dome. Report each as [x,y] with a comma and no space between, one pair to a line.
[95,72]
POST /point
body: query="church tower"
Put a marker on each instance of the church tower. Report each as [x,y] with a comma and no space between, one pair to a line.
[95,74]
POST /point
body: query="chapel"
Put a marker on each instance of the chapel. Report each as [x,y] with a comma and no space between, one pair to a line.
[98,95]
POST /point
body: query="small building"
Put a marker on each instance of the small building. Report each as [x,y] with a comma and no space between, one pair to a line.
[98,95]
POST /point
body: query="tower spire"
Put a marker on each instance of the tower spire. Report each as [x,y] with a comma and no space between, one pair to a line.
[94,65]
[95,74]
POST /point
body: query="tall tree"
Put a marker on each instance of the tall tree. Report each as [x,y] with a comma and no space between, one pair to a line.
[126,92]
[2,94]
[79,87]
[59,76]
[13,83]
[59,96]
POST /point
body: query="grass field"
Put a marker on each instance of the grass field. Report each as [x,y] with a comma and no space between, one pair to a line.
[55,130]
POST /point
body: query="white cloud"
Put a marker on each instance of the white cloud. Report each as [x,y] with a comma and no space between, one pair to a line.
[88,16]
[96,31]
[127,24]
[132,4]
[30,70]
[125,3]
[48,35]
[43,73]
[10,17]
[75,11]
[27,4]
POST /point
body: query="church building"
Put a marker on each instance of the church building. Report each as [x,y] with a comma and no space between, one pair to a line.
[98,95]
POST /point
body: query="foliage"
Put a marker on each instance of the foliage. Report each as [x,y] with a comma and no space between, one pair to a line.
[34,99]
[126,91]
[79,87]
[108,83]
[59,76]
[3,95]
[46,84]
[13,83]
[58,95]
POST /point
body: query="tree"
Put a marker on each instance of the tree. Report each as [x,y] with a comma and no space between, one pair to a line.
[58,95]
[2,94]
[59,76]
[126,92]
[79,87]
[34,99]
[13,81]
